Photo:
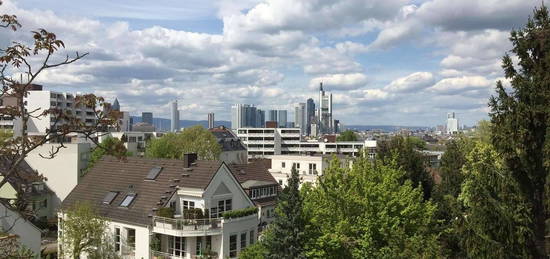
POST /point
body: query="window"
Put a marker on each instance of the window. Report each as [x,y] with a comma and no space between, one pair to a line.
[45,203]
[131,240]
[198,247]
[223,205]
[153,173]
[283,164]
[312,168]
[280,182]
[176,246]
[243,241]
[127,200]
[233,246]
[109,197]
[251,237]
[214,212]
[188,205]
[117,239]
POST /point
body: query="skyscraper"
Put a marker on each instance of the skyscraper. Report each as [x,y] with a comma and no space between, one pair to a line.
[272,115]
[116,105]
[210,120]
[174,116]
[147,117]
[310,114]
[452,123]
[282,116]
[246,116]
[300,120]
[325,111]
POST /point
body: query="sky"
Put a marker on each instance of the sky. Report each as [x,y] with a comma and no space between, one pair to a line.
[386,62]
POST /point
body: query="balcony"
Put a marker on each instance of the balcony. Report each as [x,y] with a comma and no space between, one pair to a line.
[187,227]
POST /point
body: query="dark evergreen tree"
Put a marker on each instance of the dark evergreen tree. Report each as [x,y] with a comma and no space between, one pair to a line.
[285,237]
[404,150]
[520,118]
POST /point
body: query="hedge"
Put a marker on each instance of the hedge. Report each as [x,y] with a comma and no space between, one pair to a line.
[240,213]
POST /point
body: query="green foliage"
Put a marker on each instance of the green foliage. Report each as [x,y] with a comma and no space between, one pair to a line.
[368,212]
[109,146]
[347,135]
[166,212]
[240,213]
[285,237]
[483,131]
[83,230]
[404,151]
[195,139]
[4,136]
[417,142]
[520,119]
[496,222]
[255,251]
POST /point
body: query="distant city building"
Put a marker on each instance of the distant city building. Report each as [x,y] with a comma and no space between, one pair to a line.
[310,115]
[248,116]
[272,115]
[282,118]
[325,111]
[210,120]
[143,127]
[147,117]
[116,105]
[6,121]
[174,116]
[300,117]
[452,123]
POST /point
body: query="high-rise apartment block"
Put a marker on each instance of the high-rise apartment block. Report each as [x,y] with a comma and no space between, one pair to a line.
[245,115]
[452,123]
[210,120]
[282,118]
[174,116]
[147,117]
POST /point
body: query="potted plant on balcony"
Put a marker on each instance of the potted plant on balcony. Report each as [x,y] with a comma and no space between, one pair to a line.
[165,212]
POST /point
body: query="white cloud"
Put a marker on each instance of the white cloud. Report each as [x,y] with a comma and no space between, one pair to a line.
[460,85]
[413,82]
[340,81]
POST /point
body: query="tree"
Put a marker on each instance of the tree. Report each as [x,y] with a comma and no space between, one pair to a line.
[255,251]
[83,230]
[20,66]
[109,146]
[368,212]
[347,135]
[285,237]
[483,131]
[405,152]
[496,220]
[195,139]
[520,118]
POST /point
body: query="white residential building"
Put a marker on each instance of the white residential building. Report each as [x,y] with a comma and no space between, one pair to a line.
[452,123]
[309,167]
[64,171]
[131,194]
[267,142]
[26,233]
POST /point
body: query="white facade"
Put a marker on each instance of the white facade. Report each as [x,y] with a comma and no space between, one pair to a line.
[309,167]
[452,123]
[267,142]
[63,172]
[29,235]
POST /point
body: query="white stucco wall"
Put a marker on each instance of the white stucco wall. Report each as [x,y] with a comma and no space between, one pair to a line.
[63,171]
[29,235]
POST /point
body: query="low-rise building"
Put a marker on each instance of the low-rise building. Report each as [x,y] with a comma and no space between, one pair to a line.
[16,230]
[130,194]
[233,150]
[268,142]
[309,167]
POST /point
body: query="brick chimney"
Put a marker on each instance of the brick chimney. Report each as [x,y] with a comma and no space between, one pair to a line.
[189,159]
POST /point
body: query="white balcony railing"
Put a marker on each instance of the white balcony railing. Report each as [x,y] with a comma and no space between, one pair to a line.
[185,226]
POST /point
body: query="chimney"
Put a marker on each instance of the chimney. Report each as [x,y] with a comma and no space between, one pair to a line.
[189,159]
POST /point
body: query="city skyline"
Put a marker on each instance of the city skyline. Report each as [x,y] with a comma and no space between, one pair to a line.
[392,63]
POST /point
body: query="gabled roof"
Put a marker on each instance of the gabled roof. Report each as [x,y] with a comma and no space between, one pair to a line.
[227,140]
[128,177]
[256,170]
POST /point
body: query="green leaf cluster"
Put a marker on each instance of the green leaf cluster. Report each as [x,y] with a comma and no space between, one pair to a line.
[195,139]
[232,214]
[347,135]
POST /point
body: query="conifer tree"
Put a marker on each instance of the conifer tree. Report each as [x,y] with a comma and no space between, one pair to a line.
[520,118]
[286,237]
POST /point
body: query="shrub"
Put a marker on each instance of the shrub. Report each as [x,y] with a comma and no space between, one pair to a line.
[166,212]
[240,213]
